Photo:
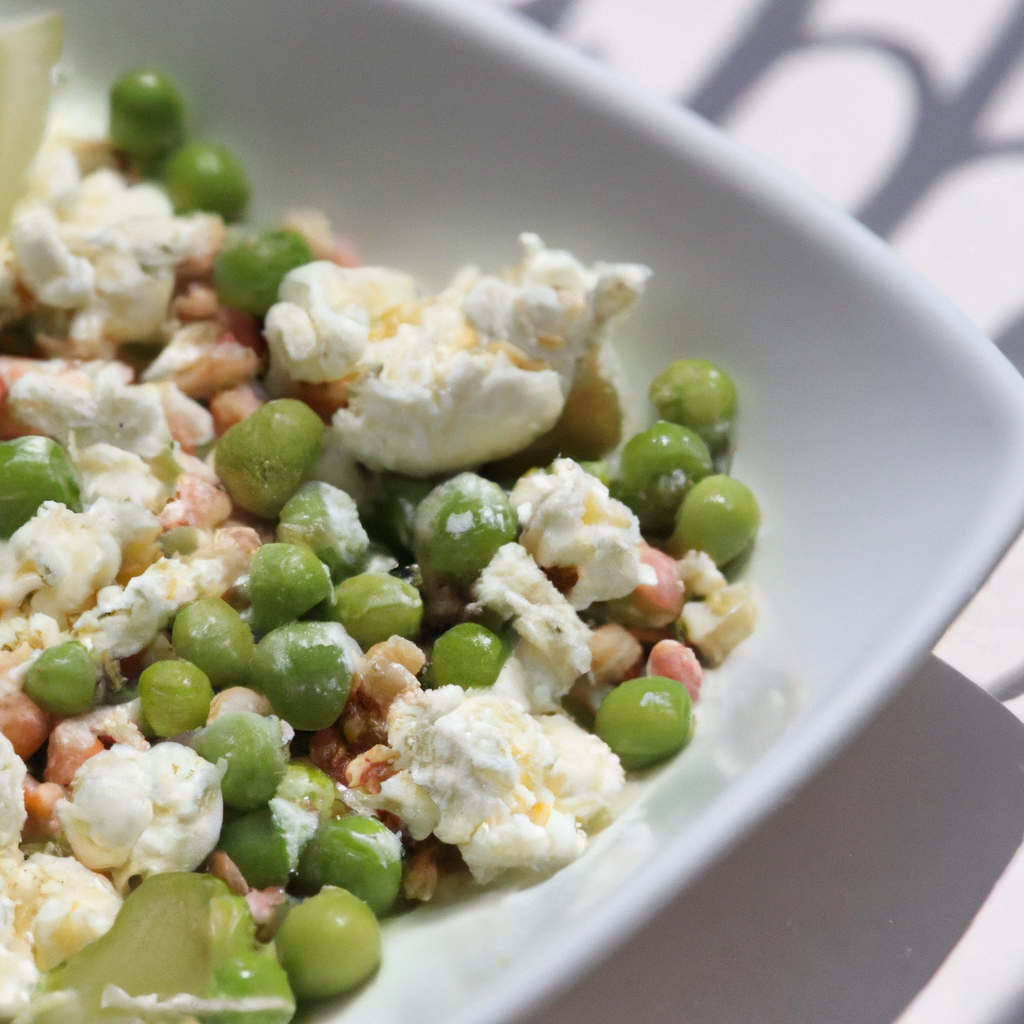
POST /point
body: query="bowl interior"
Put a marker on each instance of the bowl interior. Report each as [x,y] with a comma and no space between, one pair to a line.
[882,434]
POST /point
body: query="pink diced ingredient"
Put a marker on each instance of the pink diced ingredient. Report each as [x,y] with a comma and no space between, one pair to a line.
[660,603]
[674,660]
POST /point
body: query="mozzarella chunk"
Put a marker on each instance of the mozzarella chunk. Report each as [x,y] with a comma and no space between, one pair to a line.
[72,553]
[554,645]
[585,774]
[550,305]
[98,409]
[113,473]
[37,631]
[483,763]
[75,554]
[459,401]
[12,799]
[569,519]
[126,619]
[61,906]
[699,574]
[143,812]
[716,625]
[103,250]
[18,972]
[321,325]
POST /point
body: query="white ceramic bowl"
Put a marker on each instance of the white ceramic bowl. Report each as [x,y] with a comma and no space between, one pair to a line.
[883,434]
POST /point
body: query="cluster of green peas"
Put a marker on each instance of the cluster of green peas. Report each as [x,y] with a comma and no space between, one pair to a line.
[667,473]
[147,124]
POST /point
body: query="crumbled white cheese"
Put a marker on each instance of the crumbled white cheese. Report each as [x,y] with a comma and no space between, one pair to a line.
[71,551]
[125,619]
[103,250]
[18,972]
[12,798]
[321,325]
[585,775]
[75,554]
[554,645]
[61,906]
[110,472]
[717,624]
[470,375]
[143,812]
[484,763]
[699,574]
[37,630]
[297,825]
[402,797]
[550,305]
[569,519]
[436,396]
[97,408]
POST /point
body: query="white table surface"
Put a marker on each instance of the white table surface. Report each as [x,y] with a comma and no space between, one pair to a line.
[859,900]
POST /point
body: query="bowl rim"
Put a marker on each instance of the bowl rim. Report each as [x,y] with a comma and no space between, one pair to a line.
[797,755]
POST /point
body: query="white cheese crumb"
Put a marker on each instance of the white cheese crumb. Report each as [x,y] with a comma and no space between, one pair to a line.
[143,812]
[110,472]
[97,409]
[12,798]
[554,645]
[125,619]
[550,305]
[321,325]
[62,906]
[716,625]
[483,762]
[699,574]
[569,519]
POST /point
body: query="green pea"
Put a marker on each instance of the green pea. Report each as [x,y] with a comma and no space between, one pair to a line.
[645,720]
[359,854]
[460,525]
[328,944]
[175,697]
[308,788]
[391,518]
[720,516]
[147,114]
[257,844]
[285,581]
[699,395]
[207,176]
[255,754]
[325,519]
[374,606]
[305,672]
[33,470]
[263,460]
[656,469]
[467,655]
[62,680]
[212,635]
[248,273]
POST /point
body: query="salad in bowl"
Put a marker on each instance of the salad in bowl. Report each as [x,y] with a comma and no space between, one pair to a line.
[321,596]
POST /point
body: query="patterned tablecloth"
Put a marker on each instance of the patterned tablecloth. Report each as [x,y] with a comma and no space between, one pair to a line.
[910,115]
